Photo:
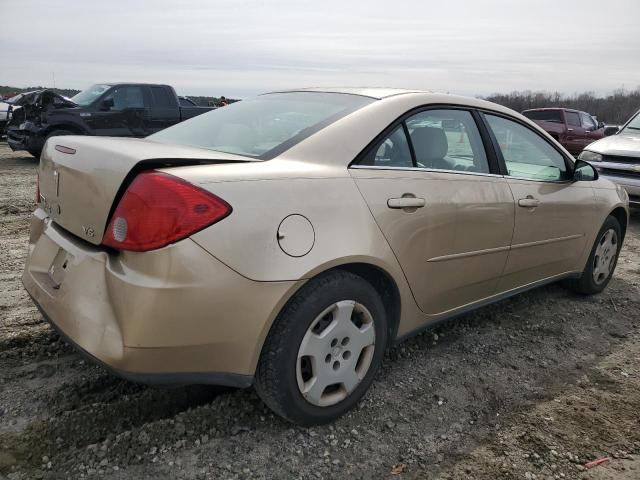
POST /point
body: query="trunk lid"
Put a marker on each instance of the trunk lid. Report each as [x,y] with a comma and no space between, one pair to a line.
[81,177]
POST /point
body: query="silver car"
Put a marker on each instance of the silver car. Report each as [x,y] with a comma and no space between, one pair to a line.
[618,158]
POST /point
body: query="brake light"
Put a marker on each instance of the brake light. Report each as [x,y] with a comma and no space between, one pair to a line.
[158,209]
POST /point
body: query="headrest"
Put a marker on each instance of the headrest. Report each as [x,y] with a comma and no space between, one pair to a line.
[429,144]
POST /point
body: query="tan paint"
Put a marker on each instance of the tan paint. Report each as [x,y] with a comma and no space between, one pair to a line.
[206,304]
[551,238]
[433,244]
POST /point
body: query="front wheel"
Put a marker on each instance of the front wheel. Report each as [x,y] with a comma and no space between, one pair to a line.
[602,260]
[324,349]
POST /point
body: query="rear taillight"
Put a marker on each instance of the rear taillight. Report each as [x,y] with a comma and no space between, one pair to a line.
[158,209]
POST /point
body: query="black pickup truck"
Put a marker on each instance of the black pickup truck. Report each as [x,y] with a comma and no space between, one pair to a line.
[114,110]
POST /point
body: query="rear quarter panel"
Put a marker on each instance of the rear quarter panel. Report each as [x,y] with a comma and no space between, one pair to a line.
[343,227]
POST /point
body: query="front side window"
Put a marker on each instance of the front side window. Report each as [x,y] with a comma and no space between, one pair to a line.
[573,118]
[264,126]
[587,122]
[126,97]
[87,96]
[447,140]
[526,154]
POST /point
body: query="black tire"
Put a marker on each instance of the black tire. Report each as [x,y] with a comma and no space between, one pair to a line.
[586,284]
[59,133]
[55,133]
[276,381]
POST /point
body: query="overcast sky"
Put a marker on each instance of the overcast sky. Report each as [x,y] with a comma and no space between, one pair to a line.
[239,48]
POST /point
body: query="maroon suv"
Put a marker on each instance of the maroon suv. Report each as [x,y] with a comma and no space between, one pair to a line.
[572,128]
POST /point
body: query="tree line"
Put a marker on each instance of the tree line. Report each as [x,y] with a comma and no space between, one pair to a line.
[614,109]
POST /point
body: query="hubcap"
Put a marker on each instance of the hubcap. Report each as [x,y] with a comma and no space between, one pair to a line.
[335,353]
[605,256]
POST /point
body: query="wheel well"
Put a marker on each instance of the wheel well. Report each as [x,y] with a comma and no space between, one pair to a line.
[70,128]
[620,214]
[386,288]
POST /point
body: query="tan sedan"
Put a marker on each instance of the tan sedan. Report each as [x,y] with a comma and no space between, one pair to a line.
[285,241]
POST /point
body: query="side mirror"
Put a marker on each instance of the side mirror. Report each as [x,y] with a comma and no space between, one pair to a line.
[600,125]
[611,130]
[107,104]
[584,172]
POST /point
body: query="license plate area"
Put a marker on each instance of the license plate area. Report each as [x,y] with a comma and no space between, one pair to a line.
[59,267]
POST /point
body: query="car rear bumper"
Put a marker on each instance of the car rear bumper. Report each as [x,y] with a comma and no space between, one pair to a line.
[173,315]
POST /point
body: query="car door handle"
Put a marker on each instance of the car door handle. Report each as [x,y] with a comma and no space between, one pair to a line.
[529,202]
[406,202]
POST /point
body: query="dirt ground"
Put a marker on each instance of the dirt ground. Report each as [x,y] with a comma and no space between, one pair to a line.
[533,387]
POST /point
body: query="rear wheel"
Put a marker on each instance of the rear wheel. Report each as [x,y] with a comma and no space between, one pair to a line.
[602,260]
[324,349]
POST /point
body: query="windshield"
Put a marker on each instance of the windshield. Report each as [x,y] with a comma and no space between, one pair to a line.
[87,96]
[634,124]
[15,98]
[265,126]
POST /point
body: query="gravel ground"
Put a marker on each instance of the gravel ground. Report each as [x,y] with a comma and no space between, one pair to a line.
[530,388]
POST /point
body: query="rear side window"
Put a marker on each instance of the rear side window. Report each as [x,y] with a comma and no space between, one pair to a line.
[392,151]
[573,118]
[447,140]
[441,140]
[546,115]
[162,97]
[526,154]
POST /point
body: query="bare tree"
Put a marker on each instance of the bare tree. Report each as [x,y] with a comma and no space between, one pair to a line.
[615,108]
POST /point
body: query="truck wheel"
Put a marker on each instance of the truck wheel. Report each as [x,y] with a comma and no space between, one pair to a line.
[58,133]
[324,349]
[55,133]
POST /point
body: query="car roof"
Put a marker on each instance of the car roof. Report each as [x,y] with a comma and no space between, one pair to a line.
[372,92]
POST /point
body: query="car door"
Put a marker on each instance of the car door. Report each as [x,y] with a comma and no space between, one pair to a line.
[553,213]
[575,132]
[123,114]
[441,204]
[591,133]
[164,110]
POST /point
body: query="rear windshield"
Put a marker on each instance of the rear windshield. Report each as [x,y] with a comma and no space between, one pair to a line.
[547,115]
[265,126]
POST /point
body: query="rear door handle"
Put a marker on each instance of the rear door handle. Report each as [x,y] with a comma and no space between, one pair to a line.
[529,202]
[406,202]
